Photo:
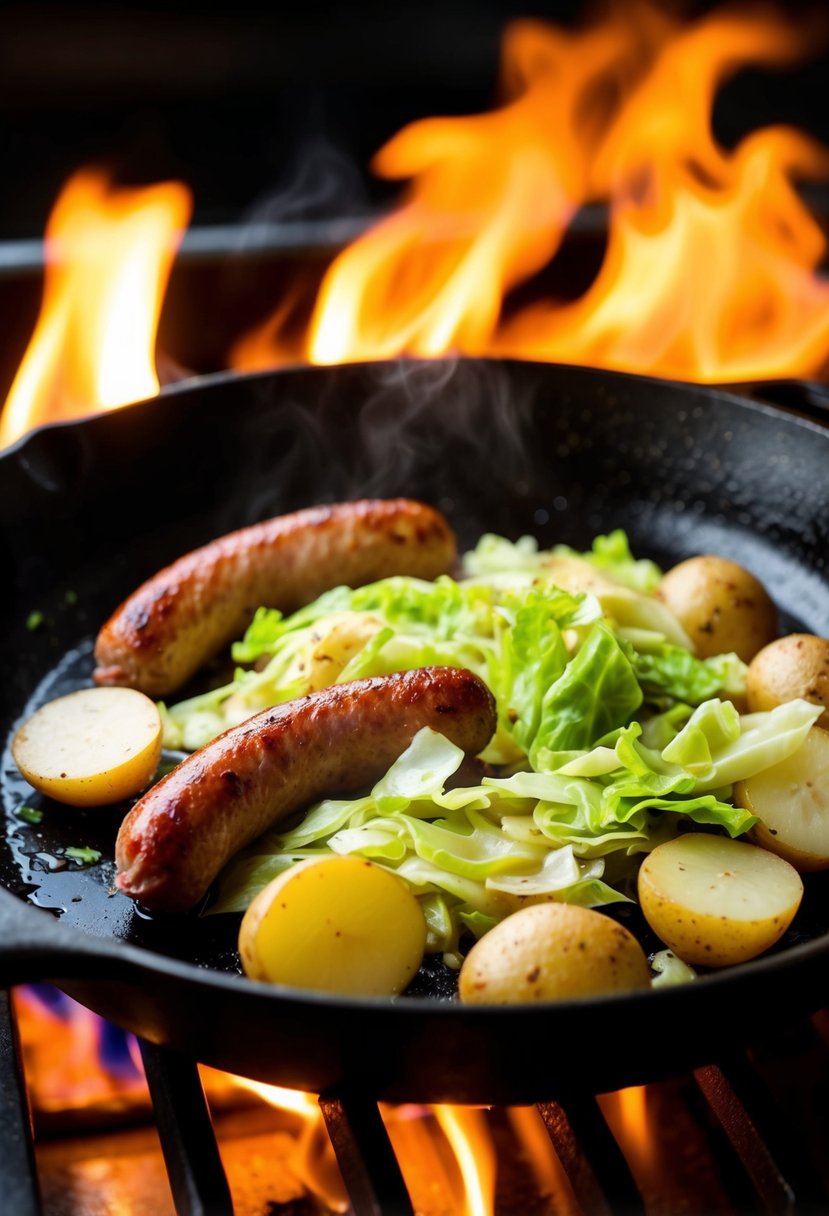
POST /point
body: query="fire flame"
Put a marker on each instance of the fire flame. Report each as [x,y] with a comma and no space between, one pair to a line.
[109,255]
[75,1062]
[710,269]
[313,1157]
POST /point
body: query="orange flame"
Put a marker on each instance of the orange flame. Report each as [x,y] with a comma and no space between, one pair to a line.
[466,1131]
[312,1159]
[75,1062]
[628,1116]
[109,254]
[710,271]
[68,1070]
[63,1052]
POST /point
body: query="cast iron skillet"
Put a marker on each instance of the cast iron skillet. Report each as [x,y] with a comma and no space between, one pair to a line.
[89,509]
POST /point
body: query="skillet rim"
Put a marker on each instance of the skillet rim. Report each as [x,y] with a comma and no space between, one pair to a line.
[729,392]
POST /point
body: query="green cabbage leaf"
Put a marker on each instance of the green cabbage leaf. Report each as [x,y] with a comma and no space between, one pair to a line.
[611,736]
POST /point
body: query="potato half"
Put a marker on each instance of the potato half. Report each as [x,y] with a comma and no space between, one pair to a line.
[791,800]
[721,606]
[790,667]
[552,952]
[91,747]
[335,924]
[716,901]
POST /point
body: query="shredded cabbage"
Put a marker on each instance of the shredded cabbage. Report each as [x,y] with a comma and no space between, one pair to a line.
[611,736]
[611,554]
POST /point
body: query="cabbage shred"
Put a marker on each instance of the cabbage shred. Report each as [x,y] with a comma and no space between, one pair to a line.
[611,738]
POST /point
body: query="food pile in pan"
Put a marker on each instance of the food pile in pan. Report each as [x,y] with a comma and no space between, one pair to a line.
[472,757]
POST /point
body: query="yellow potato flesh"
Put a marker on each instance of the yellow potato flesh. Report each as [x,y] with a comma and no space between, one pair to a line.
[716,901]
[791,799]
[92,747]
[348,635]
[552,952]
[335,924]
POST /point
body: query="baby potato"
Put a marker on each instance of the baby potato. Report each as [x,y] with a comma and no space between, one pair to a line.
[552,952]
[790,667]
[625,606]
[334,924]
[346,636]
[91,747]
[721,606]
[791,800]
[716,901]
[575,575]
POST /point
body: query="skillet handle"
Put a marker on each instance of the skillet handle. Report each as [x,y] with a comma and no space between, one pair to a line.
[34,946]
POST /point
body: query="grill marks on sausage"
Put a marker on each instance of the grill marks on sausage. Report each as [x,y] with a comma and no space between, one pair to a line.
[176,839]
[163,633]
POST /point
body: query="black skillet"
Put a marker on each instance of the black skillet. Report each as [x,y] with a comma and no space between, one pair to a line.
[89,509]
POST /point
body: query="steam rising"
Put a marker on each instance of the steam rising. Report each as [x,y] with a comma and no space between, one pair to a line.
[432,429]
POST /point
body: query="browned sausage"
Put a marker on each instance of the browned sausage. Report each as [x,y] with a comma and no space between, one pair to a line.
[176,839]
[162,634]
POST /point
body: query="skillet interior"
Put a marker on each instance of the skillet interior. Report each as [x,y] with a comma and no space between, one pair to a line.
[87,510]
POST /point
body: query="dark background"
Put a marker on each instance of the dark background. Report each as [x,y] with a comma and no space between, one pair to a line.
[247,104]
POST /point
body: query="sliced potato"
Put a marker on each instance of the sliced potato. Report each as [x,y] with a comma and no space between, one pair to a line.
[552,952]
[91,747]
[334,924]
[716,901]
[722,607]
[790,667]
[791,799]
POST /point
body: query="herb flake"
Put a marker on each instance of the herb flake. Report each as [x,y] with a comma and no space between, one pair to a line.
[83,855]
[29,814]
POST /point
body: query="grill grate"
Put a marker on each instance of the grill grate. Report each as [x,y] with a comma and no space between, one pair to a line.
[191,1154]
[762,1156]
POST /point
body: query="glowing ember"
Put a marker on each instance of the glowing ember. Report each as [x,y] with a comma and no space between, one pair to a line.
[710,271]
[109,255]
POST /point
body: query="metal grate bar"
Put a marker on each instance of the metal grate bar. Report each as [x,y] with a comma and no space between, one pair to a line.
[191,1154]
[600,1176]
[18,1171]
[365,1156]
[781,1175]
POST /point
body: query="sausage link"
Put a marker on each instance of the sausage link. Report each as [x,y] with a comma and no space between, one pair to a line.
[176,839]
[162,634]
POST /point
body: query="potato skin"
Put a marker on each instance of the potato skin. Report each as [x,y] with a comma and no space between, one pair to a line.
[721,606]
[793,666]
[552,952]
